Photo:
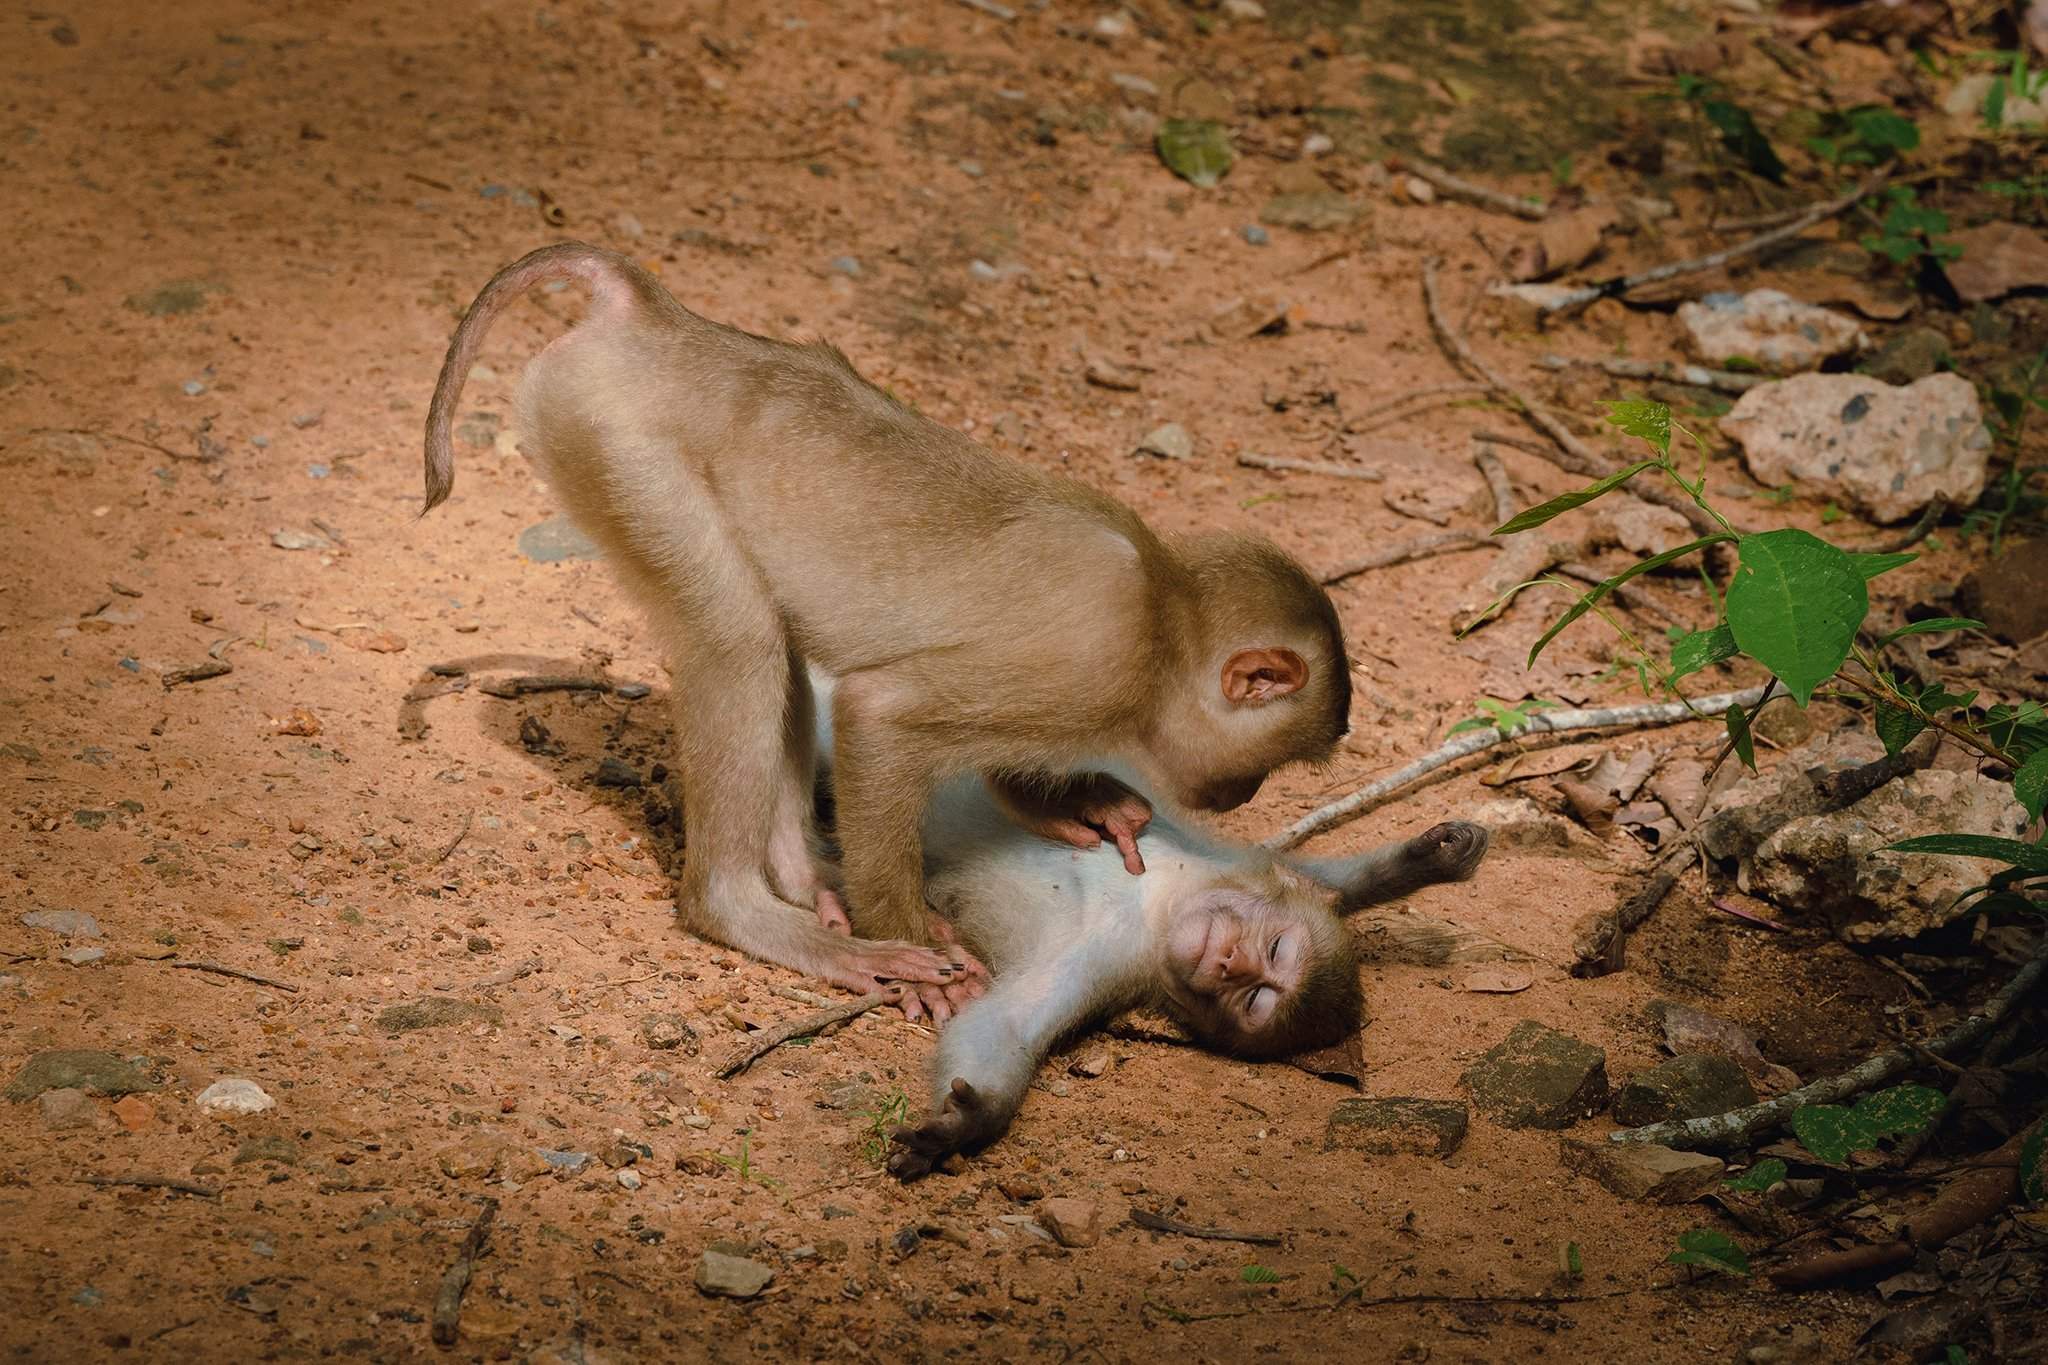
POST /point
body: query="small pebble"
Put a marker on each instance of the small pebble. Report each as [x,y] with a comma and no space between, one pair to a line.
[629,1179]
[194,387]
[1257,235]
[847,266]
[80,957]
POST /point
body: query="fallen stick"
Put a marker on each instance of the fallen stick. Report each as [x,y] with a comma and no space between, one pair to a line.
[152,1182]
[1572,455]
[991,9]
[1496,475]
[1159,1222]
[1621,284]
[448,851]
[1728,381]
[1599,938]
[1458,188]
[1640,716]
[768,1039]
[1912,535]
[448,1303]
[1422,547]
[1976,1196]
[1335,471]
[529,684]
[1462,386]
[200,672]
[1738,1126]
[221,969]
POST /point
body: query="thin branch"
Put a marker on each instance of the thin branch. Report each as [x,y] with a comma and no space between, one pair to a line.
[1335,471]
[1621,284]
[1738,1126]
[448,851]
[448,1302]
[1727,381]
[1532,210]
[151,1182]
[1159,1222]
[767,1040]
[1913,534]
[221,969]
[1640,716]
[125,440]
[991,9]
[1496,475]
[529,684]
[1422,547]
[1572,454]
[1457,390]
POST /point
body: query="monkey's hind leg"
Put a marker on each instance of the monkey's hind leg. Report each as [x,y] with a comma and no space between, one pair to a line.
[883,780]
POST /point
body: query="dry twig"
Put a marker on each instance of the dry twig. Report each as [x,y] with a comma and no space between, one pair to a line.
[151,1182]
[1572,454]
[1335,471]
[1640,716]
[448,1303]
[1532,210]
[1422,547]
[1621,284]
[220,969]
[1738,1126]
[768,1039]
[1159,1222]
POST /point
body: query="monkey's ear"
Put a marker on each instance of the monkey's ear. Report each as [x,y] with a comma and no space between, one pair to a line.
[1253,677]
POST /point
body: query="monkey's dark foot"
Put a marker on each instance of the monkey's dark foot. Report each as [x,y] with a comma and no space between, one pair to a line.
[965,1119]
[1449,852]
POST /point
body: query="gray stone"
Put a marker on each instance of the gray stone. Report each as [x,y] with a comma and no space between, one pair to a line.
[1885,450]
[731,1277]
[290,538]
[1538,1078]
[615,772]
[1689,1087]
[668,1032]
[435,1012]
[1769,329]
[1643,1170]
[1909,355]
[1835,864]
[1254,235]
[2010,594]
[67,1109]
[1168,442]
[70,923]
[99,1073]
[1393,1127]
[568,1163]
[556,540]
[234,1095]
[82,957]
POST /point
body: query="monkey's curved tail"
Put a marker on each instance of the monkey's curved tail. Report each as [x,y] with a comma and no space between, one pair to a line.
[609,276]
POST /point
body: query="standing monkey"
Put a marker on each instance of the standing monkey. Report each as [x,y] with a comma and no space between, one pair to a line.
[768,507]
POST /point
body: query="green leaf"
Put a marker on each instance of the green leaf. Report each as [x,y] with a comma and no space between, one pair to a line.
[1759,1177]
[1695,650]
[1897,727]
[1740,135]
[2028,857]
[1871,565]
[1593,595]
[1259,1274]
[1710,1249]
[1900,1111]
[1928,627]
[1739,736]
[2034,1166]
[1197,150]
[1643,417]
[1830,1132]
[2030,784]
[1573,1262]
[1880,127]
[1565,502]
[1795,606]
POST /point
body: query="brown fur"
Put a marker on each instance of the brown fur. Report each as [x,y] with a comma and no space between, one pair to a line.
[766,506]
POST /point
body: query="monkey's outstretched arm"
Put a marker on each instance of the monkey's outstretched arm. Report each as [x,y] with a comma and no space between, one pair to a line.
[1449,852]
[990,1053]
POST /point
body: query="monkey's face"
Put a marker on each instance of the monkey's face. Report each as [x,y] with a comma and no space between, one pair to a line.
[1234,961]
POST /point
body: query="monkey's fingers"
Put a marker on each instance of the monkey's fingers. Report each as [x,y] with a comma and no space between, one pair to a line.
[1067,829]
[1127,844]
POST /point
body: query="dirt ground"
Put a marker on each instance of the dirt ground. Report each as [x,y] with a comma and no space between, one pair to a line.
[243,233]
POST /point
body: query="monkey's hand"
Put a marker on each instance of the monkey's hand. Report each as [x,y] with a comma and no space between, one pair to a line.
[1081,811]
[966,1119]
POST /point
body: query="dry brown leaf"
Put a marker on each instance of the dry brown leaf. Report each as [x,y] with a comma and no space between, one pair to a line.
[1498,980]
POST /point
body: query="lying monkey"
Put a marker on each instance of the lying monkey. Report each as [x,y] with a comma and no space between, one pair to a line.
[770,508]
[1245,948]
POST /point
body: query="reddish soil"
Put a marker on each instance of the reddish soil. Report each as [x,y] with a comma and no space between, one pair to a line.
[326,186]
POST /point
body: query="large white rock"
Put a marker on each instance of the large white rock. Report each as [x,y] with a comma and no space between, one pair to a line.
[1771,330]
[234,1095]
[1884,449]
